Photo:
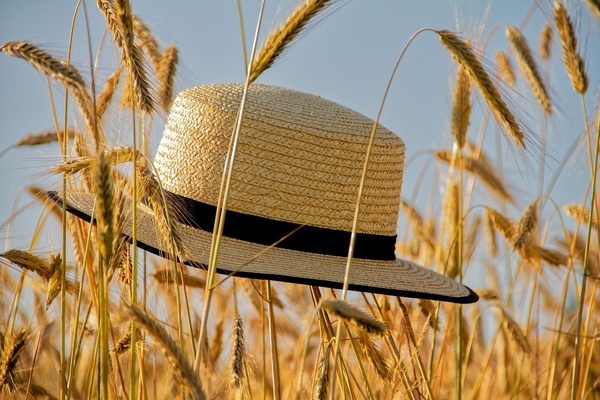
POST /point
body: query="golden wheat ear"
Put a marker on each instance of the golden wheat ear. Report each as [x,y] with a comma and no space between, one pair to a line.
[573,61]
[463,53]
[280,38]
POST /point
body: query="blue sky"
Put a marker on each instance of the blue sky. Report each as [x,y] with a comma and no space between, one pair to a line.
[347,57]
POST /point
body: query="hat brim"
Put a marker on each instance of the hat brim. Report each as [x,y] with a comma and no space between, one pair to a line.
[250,260]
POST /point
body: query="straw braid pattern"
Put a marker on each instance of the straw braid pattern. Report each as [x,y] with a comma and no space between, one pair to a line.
[299,157]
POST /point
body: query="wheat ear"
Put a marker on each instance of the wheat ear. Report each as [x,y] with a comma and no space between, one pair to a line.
[29,262]
[9,357]
[280,38]
[350,313]
[528,65]
[480,169]
[526,227]
[321,385]
[64,73]
[238,354]
[573,61]
[461,110]
[505,67]
[594,6]
[108,91]
[173,351]
[166,76]
[464,55]
[36,139]
[146,40]
[120,23]
[546,37]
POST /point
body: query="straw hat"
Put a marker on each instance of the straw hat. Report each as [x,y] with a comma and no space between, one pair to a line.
[299,162]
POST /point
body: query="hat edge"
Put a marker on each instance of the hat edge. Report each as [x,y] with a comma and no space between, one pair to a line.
[471,296]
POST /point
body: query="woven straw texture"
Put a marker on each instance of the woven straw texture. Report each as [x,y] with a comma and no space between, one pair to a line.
[299,158]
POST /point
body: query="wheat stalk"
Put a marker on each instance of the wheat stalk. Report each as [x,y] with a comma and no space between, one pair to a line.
[280,38]
[464,55]
[573,61]
[528,65]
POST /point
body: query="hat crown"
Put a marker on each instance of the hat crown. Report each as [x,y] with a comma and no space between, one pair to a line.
[299,157]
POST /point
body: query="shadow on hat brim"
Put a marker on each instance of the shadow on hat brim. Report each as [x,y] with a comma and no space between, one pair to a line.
[403,278]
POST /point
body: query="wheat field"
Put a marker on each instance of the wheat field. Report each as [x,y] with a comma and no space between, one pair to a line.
[502,198]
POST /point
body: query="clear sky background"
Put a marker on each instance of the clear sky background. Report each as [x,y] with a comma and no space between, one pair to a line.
[347,57]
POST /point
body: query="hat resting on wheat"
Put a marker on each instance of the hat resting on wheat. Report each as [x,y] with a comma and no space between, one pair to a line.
[296,176]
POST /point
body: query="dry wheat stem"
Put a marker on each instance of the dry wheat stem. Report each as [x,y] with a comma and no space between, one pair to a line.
[280,38]
[505,67]
[461,110]
[528,65]
[573,61]
[546,42]
[173,351]
[464,55]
